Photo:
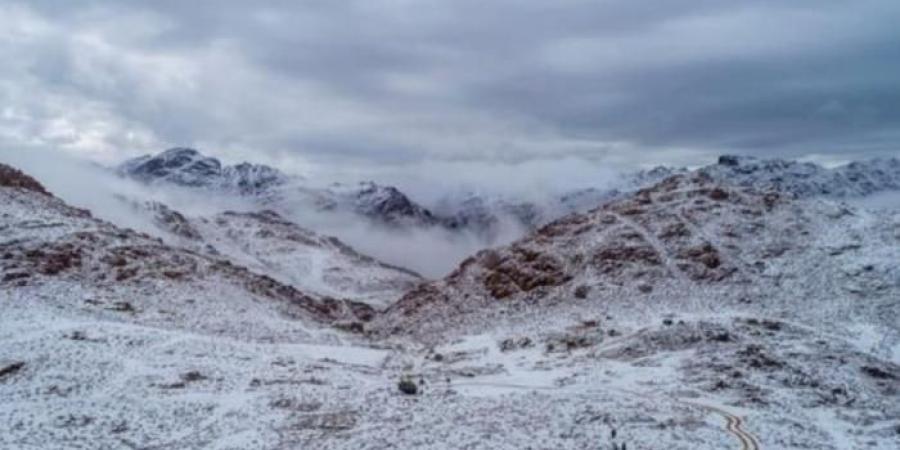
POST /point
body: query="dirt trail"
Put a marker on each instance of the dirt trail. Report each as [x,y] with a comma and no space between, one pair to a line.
[733,423]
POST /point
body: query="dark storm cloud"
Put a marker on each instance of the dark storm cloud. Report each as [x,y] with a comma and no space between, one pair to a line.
[387,83]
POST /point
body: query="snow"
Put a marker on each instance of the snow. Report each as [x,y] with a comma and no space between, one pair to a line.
[804,350]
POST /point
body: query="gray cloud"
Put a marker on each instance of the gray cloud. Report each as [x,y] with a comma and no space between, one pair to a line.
[378,85]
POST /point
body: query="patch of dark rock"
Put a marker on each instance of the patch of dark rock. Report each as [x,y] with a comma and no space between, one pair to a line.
[844,249]
[718,194]
[256,382]
[77,336]
[511,344]
[11,369]
[837,396]
[525,273]
[12,276]
[184,379]
[126,274]
[328,422]
[73,421]
[723,336]
[59,391]
[678,229]
[770,325]
[294,405]
[81,336]
[581,292]
[173,274]
[14,178]
[351,327]
[568,342]
[705,254]
[614,257]
[757,358]
[119,428]
[408,386]
[125,307]
[878,373]
[117,261]
[192,376]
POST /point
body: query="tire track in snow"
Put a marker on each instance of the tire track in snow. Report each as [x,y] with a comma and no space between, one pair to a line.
[733,423]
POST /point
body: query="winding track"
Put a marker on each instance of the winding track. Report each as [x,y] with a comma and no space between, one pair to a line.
[732,423]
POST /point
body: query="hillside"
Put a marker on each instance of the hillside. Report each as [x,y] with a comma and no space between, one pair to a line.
[689,314]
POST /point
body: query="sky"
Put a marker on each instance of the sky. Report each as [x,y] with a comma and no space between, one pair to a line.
[502,89]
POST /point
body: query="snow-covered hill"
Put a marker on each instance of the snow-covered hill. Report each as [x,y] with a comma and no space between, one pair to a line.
[266,242]
[805,179]
[187,167]
[689,234]
[764,302]
[49,247]
[694,313]
[489,215]
[273,189]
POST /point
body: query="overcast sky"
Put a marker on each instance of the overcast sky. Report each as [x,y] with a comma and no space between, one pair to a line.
[377,84]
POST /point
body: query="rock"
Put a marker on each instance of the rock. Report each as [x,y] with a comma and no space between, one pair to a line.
[14,178]
[11,369]
[408,386]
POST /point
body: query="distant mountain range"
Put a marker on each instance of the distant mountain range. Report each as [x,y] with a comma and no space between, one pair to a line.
[732,304]
[484,214]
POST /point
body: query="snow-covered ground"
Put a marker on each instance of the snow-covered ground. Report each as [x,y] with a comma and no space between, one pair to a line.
[689,316]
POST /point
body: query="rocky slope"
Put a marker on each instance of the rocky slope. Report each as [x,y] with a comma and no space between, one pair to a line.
[266,242]
[490,215]
[187,167]
[688,234]
[50,247]
[691,289]
[804,179]
[690,314]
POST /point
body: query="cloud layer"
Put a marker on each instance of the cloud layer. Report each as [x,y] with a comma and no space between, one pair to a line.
[375,86]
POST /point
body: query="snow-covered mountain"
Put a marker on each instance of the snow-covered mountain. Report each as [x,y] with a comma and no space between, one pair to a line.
[805,179]
[693,313]
[485,213]
[766,302]
[51,248]
[683,236]
[488,213]
[187,167]
[266,242]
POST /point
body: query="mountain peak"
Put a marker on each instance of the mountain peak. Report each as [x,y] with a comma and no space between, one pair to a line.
[734,160]
[188,167]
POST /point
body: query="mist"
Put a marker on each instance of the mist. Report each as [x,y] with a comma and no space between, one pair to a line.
[432,252]
[108,196]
